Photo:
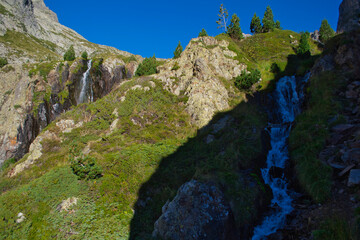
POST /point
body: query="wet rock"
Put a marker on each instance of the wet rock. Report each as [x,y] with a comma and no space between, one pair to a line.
[198,211]
[354,177]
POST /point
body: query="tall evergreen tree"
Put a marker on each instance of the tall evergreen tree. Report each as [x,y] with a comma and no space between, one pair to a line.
[325,32]
[234,29]
[268,20]
[203,33]
[178,51]
[304,46]
[223,18]
[255,25]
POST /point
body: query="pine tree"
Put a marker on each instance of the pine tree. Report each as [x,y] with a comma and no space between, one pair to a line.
[203,33]
[277,24]
[255,25]
[234,29]
[268,20]
[178,51]
[223,18]
[70,54]
[326,32]
[304,46]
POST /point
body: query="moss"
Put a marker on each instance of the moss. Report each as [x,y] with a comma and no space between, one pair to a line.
[43,69]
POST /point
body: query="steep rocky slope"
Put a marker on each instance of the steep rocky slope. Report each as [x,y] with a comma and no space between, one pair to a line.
[349,16]
[32,22]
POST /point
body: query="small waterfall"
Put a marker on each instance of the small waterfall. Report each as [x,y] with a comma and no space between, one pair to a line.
[288,96]
[86,93]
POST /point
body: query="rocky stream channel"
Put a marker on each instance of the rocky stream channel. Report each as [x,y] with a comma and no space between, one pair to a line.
[287,99]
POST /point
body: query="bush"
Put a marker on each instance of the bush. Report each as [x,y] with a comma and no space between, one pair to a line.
[203,33]
[246,80]
[304,46]
[84,55]
[70,54]
[86,168]
[147,67]
[3,62]
[178,51]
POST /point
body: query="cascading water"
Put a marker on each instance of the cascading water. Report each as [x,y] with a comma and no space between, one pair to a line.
[86,93]
[288,96]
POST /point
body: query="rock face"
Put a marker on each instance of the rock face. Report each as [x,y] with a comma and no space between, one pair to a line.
[349,16]
[20,124]
[199,73]
[34,18]
[199,211]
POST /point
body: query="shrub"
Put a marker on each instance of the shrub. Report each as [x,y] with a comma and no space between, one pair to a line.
[246,80]
[178,51]
[84,55]
[304,46]
[147,67]
[175,67]
[86,168]
[70,54]
[3,62]
[203,33]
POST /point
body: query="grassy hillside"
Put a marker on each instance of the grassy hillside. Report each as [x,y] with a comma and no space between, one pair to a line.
[263,50]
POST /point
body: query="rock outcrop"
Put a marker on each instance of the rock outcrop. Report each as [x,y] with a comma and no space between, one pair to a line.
[29,104]
[349,16]
[199,74]
[32,17]
[199,211]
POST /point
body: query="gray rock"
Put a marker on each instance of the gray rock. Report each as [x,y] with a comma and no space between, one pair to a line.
[198,211]
[354,177]
[348,16]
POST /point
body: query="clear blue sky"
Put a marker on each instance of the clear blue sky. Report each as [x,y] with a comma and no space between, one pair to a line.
[155,27]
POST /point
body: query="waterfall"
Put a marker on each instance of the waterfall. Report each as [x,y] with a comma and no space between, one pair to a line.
[288,96]
[86,93]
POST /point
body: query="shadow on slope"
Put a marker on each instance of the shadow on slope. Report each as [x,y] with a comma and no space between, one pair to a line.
[229,152]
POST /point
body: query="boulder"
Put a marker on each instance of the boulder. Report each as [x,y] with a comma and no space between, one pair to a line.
[198,211]
[354,177]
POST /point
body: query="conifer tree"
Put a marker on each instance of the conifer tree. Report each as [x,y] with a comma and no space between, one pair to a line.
[70,54]
[304,46]
[223,18]
[268,20]
[84,55]
[234,29]
[203,33]
[255,25]
[277,24]
[325,32]
[178,51]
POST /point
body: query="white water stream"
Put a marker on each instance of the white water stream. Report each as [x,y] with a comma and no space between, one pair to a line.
[86,93]
[288,97]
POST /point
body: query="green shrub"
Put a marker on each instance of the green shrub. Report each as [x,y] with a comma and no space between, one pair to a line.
[304,46]
[178,51]
[84,55]
[147,67]
[246,80]
[7,163]
[203,33]
[335,228]
[175,67]
[3,62]
[86,167]
[70,54]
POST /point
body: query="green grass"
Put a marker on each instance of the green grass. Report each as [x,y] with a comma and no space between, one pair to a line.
[152,152]
[29,45]
[336,228]
[262,50]
[308,137]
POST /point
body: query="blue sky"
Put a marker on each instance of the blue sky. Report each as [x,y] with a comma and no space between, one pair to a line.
[155,27]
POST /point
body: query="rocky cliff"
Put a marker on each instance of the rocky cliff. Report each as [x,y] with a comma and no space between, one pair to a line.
[32,21]
[349,16]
